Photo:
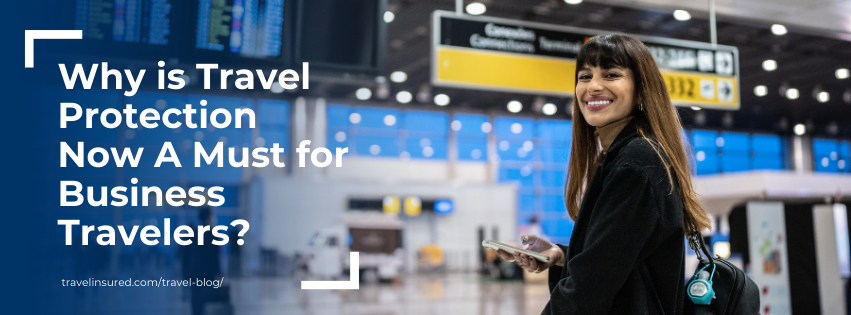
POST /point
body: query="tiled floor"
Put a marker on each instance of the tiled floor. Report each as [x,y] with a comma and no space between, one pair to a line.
[445,294]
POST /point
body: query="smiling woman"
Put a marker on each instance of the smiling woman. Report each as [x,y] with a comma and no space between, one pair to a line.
[628,190]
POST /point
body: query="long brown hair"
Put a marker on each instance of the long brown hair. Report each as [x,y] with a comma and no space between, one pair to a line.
[657,122]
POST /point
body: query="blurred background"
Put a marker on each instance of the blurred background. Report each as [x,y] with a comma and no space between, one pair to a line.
[442,158]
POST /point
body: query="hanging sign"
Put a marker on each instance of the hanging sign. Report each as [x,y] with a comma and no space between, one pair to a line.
[497,54]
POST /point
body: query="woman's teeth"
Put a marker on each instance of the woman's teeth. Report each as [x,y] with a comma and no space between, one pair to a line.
[599,102]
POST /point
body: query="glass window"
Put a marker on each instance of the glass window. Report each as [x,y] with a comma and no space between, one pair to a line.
[705,151]
[826,155]
[534,154]
[425,134]
[735,151]
[471,134]
[767,152]
[273,118]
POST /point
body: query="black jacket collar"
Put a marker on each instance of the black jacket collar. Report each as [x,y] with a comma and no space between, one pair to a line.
[628,133]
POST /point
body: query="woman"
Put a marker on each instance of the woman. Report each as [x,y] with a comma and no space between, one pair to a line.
[628,191]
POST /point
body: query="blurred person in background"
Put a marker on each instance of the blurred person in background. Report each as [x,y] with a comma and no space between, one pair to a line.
[628,191]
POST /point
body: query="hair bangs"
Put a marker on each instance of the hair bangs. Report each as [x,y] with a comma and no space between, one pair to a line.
[605,52]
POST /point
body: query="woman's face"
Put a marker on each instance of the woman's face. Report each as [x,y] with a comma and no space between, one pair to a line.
[605,95]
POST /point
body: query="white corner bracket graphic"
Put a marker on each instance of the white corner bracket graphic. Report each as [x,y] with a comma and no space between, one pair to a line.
[352,284]
[31,35]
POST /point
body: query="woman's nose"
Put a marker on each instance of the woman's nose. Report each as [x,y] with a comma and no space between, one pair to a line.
[595,85]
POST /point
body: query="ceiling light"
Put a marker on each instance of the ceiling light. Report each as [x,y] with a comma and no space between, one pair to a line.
[800,129]
[476,8]
[573,1]
[515,106]
[441,99]
[769,65]
[682,15]
[398,76]
[760,90]
[389,16]
[695,108]
[778,29]
[363,94]
[792,93]
[842,73]
[404,97]
[823,97]
[549,109]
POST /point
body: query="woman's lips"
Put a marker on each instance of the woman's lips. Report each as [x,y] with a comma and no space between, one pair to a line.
[597,105]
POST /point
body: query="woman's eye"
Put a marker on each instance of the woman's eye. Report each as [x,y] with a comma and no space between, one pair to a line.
[585,77]
[613,75]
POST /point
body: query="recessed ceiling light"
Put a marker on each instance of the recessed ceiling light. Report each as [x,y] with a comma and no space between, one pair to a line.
[363,94]
[476,8]
[398,76]
[682,15]
[842,73]
[695,108]
[573,1]
[515,106]
[823,97]
[404,97]
[778,29]
[760,90]
[769,65]
[441,99]
[800,129]
[549,109]
[792,93]
[389,17]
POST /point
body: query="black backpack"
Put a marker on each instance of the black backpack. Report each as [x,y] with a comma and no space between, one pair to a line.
[735,293]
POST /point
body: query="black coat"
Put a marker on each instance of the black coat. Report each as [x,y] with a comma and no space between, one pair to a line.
[628,245]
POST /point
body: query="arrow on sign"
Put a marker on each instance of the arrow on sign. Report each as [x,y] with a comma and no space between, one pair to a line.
[725,90]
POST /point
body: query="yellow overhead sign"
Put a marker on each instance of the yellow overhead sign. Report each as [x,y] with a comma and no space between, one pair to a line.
[486,69]
[514,56]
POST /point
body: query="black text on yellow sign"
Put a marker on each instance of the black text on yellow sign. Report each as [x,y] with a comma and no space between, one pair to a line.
[687,88]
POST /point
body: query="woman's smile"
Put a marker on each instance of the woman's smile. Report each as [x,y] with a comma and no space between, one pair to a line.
[597,103]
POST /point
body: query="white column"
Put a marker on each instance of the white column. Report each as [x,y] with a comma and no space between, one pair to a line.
[827,261]
[802,155]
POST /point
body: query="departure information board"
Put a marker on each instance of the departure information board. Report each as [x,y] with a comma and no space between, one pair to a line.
[247,27]
[133,21]
[508,55]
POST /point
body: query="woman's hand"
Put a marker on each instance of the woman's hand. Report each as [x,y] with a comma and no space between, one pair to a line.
[535,244]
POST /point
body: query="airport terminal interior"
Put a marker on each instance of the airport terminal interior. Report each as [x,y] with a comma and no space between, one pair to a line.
[457,119]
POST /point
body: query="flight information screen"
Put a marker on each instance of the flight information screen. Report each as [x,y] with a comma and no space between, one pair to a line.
[133,21]
[246,27]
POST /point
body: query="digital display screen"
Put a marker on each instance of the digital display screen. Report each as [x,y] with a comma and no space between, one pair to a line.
[246,27]
[339,33]
[132,21]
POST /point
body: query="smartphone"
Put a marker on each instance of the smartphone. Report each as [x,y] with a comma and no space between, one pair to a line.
[511,249]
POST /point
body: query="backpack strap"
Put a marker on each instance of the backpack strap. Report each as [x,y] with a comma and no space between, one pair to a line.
[695,241]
